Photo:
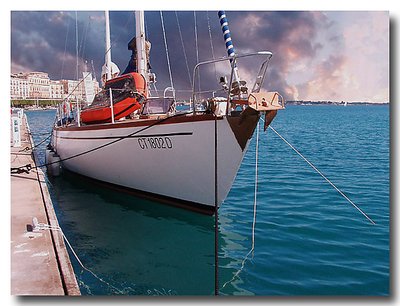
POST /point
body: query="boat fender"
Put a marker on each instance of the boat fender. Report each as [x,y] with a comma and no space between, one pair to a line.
[54,167]
[47,156]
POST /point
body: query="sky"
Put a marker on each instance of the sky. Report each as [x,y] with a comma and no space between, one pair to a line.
[317,55]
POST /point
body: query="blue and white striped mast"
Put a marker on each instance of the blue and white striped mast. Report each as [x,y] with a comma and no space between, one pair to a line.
[228,43]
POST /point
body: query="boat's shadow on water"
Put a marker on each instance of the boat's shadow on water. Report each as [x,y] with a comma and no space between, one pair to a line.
[72,183]
[139,246]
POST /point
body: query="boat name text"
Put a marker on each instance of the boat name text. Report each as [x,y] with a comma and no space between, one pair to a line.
[155,143]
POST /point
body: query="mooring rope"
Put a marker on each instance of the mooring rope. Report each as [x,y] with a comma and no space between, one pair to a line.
[216,227]
[251,251]
[255,192]
[43,226]
[323,176]
[41,142]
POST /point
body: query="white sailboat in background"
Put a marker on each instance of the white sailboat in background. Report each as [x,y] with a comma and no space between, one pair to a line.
[158,152]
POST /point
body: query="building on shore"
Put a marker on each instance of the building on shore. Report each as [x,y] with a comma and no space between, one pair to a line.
[56,90]
[19,88]
[38,85]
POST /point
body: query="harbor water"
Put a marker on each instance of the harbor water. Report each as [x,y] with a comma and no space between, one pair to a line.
[308,239]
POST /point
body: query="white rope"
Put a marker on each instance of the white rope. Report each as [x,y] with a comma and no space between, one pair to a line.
[43,226]
[183,48]
[254,215]
[323,176]
[166,49]
[255,191]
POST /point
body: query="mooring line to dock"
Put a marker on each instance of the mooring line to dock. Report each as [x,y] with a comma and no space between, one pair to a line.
[251,251]
[43,226]
[41,142]
[323,176]
[34,146]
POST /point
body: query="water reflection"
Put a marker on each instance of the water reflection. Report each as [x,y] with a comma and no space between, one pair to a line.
[140,246]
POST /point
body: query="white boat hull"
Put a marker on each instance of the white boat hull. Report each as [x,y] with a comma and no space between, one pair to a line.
[174,160]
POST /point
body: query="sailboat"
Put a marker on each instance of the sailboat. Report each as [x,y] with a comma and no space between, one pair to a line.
[185,159]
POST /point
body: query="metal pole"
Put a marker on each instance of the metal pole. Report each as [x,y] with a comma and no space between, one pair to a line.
[141,44]
[228,41]
[112,106]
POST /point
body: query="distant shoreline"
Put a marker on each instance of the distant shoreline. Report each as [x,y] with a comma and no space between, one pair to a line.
[51,104]
[333,103]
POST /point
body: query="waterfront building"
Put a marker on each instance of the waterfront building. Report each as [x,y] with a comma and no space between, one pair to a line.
[19,88]
[38,85]
[56,90]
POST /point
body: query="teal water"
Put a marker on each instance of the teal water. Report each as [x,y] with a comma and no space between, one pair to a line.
[309,239]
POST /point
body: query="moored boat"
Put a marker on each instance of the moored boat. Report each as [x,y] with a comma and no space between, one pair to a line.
[184,159]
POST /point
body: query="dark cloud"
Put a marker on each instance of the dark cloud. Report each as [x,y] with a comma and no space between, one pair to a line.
[38,40]
[291,36]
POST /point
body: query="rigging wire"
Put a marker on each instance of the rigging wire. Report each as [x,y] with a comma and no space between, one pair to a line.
[323,176]
[82,38]
[212,45]
[78,106]
[196,46]
[82,47]
[65,51]
[184,50]
[77,45]
[166,51]
[146,31]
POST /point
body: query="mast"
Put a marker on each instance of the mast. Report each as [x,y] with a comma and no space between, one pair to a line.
[108,47]
[141,45]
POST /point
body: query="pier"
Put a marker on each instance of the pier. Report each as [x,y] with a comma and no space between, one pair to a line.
[40,264]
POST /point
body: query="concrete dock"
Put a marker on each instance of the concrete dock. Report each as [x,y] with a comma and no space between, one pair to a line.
[40,264]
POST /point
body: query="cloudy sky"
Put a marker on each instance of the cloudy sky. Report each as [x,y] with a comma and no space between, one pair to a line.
[337,56]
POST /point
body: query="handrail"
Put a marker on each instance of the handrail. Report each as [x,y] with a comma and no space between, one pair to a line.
[233,61]
[172,89]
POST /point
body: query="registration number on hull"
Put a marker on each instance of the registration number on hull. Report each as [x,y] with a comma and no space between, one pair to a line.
[155,143]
